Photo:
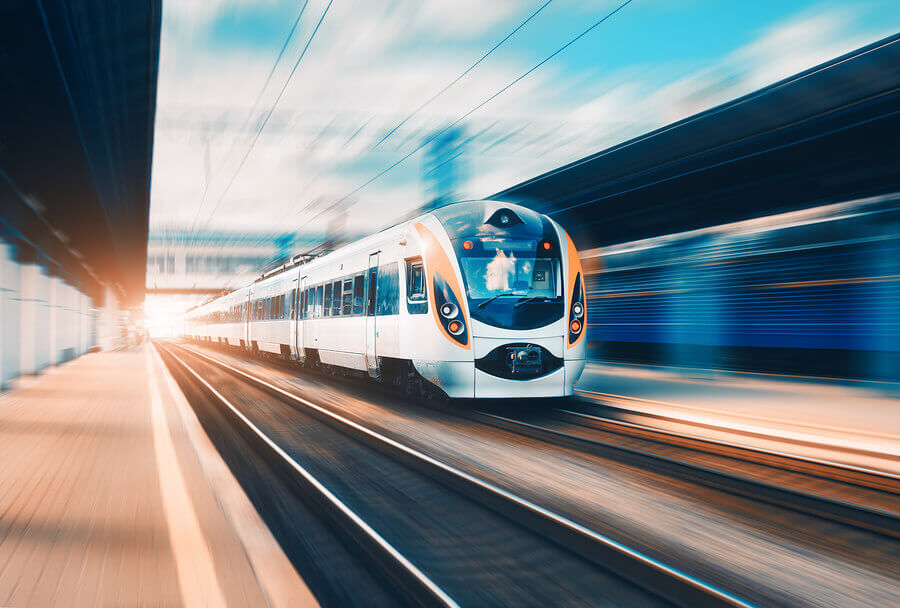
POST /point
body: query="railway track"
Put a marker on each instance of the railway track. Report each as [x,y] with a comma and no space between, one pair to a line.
[850,495]
[586,560]
[853,496]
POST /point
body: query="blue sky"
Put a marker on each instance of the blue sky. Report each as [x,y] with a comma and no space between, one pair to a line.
[374,62]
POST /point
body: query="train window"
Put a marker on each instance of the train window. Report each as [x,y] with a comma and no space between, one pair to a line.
[347,303]
[359,293]
[388,300]
[336,299]
[370,299]
[293,306]
[282,308]
[327,301]
[319,301]
[416,298]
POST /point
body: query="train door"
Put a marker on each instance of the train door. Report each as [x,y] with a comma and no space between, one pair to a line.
[298,306]
[371,319]
[247,321]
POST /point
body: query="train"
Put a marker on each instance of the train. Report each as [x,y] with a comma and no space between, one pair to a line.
[472,300]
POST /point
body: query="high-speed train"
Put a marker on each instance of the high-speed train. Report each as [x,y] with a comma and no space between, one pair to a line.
[480,299]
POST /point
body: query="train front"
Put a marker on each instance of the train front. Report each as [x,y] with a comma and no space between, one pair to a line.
[524,300]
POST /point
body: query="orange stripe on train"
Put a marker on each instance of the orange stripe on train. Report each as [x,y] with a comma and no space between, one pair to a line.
[436,260]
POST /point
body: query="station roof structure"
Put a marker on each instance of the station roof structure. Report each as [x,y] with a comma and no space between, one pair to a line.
[825,135]
[77,107]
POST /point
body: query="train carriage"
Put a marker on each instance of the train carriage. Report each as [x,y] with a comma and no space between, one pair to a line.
[479,299]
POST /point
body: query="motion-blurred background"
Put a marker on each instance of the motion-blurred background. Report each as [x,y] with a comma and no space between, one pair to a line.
[273,139]
[649,130]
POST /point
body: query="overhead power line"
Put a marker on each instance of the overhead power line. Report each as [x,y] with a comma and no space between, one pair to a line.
[461,76]
[488,100]
[270,111]
[252,109]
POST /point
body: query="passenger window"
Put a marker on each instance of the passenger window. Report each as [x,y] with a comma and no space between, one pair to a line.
[327,302]
[347,303]
[336,299]
[359,293]
[388,300]
[370,299]
[319,301]
[416,297]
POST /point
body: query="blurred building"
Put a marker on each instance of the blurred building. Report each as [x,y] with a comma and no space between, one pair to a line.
[443,171]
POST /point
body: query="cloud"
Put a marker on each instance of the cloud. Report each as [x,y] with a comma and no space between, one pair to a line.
[360,78]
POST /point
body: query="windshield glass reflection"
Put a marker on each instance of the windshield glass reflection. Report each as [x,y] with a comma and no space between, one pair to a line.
[513,284]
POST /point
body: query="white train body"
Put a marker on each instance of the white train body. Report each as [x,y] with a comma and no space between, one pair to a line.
[481,299]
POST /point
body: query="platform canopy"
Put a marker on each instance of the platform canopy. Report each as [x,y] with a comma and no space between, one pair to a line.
[826,135]
[77,103]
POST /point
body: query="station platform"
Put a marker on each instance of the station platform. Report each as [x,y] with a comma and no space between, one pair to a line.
[850,422]
[112,495]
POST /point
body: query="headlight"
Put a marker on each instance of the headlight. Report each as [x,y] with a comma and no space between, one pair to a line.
[449,310]
[576,312]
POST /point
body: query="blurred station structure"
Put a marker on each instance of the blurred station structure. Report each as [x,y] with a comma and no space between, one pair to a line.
[77,132]
[185,267]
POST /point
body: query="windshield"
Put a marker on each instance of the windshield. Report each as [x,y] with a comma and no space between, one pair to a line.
[513,284]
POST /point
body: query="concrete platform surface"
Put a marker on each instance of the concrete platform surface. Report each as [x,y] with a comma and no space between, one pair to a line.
[855,423]
[112,495]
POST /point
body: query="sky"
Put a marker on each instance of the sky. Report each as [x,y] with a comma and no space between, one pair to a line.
[303,152]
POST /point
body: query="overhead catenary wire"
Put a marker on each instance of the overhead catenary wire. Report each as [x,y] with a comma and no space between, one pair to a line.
[259,96]
[512,83]
[463,75]
[269,113]
[253,107]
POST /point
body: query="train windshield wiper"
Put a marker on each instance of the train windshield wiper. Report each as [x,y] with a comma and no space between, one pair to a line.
[524,301]
[492,298]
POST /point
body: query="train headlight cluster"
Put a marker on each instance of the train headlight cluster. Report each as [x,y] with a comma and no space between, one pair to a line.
[448,307]
[449,310]
[576,312]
